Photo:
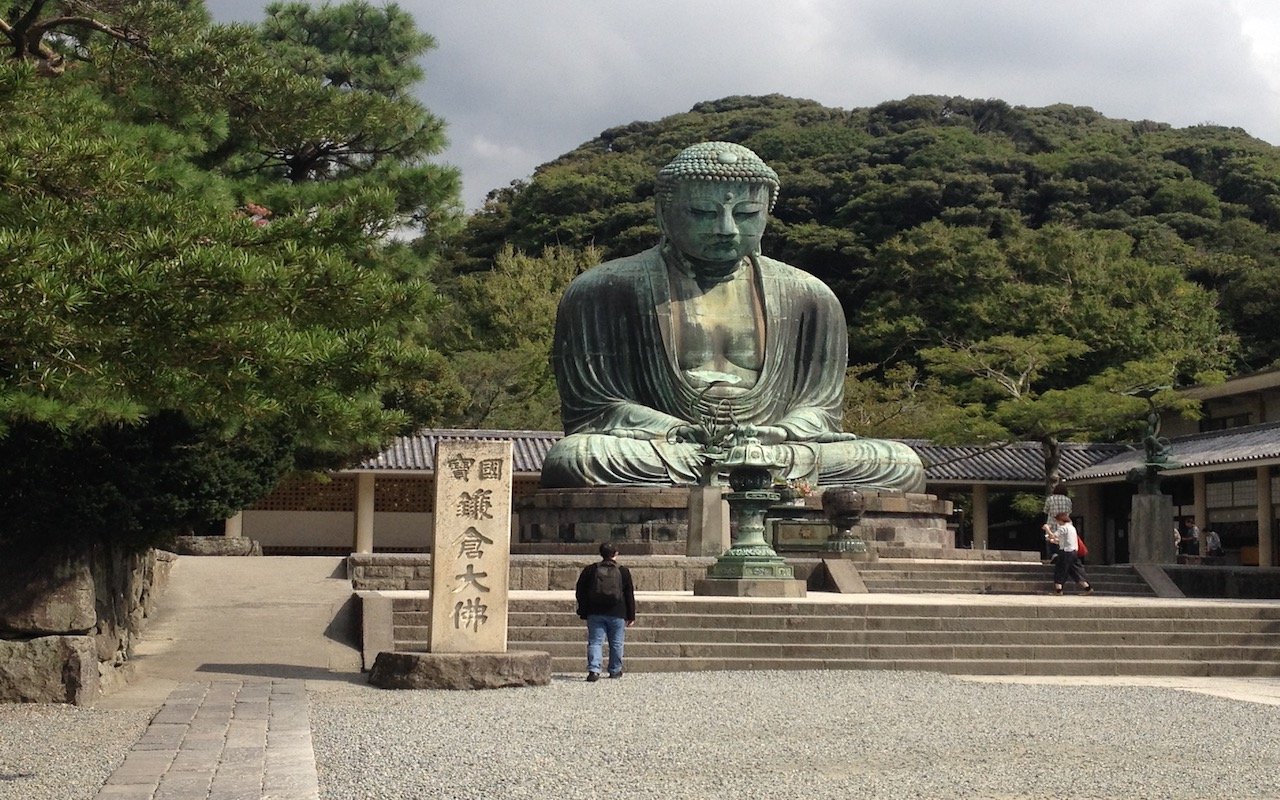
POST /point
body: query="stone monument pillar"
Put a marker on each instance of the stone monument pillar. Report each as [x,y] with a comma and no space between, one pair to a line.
[1151,530]
[470,565]
[471,548]
[708,521]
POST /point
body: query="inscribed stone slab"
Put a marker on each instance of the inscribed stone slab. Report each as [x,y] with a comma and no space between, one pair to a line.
[471,547]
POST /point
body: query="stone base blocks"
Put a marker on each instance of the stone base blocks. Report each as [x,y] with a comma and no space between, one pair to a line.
[748,587]
[656,520]
[216,546]
[652,516]
[393,670]
[69,617]
[49,669]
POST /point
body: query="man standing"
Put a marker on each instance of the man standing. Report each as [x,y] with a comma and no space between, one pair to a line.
[1067,565]
[1191,541]
[607,601]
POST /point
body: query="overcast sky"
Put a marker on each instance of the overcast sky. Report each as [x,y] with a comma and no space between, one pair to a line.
[520,82]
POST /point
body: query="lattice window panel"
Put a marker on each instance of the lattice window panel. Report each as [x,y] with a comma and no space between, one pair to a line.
[404,494]
[524,486]
[1245,493]
[1218,495]
[338,494]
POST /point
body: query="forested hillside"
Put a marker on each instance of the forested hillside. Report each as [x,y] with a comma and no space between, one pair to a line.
[970,179]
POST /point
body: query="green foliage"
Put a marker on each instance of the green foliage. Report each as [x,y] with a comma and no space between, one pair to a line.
[198,287]
[950,180]
[503,337]
[899,402]
[116,482]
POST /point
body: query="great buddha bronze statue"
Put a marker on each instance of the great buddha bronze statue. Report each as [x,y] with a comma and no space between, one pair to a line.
[702,333]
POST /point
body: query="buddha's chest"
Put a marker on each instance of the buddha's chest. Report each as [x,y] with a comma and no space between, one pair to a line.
[720,328]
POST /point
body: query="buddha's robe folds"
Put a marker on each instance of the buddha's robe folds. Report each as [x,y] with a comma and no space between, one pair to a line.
[623,393]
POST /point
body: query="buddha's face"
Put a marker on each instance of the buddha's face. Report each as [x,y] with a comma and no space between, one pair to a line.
[716,222]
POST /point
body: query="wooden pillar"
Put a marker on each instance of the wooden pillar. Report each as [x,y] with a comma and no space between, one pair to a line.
[981,538]
[234,526]
[364,513]
[1266,558]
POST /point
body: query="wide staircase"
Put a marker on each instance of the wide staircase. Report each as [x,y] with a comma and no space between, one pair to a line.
[1044,636]
[990,577]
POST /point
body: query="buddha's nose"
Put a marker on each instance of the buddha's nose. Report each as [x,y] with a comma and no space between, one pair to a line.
[725,223]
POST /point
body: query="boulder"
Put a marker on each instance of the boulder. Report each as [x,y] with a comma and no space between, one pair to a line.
[49,669]
[460,670]
[49,594]
[216,546]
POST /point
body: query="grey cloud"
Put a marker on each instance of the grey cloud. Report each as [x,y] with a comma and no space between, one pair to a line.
[520,83]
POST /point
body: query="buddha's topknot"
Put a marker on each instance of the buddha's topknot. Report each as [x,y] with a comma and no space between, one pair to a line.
[716,161]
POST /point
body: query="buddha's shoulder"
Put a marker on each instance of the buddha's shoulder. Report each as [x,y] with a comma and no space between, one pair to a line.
[777,270]
[643,262]
[627,269]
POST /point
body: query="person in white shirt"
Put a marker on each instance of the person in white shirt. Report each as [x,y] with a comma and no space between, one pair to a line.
[1062,533]
[1213,543]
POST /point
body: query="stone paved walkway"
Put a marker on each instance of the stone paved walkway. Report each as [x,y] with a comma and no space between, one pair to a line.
[223,740]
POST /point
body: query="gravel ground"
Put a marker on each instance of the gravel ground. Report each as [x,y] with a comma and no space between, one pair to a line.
[56,752]
[793,735]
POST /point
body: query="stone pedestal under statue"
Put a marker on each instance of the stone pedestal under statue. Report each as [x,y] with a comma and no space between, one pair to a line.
[1151,529]
[649,520]
[655,521]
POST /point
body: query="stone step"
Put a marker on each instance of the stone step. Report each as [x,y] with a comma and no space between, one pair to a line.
[1058,667]
[1029,637]
[1042,636]
[914,651]
[908,622]
[1041,574]
[993,586]
[918,565]
[1051,608]
[988,578]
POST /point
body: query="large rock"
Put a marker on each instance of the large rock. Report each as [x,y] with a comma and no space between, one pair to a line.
[460,670]
[49,669]
[48,594]
[216,546]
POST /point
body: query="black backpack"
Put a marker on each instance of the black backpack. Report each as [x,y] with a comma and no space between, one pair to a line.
[606,587]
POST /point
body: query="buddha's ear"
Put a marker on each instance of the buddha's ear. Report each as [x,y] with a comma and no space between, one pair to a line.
[659,213]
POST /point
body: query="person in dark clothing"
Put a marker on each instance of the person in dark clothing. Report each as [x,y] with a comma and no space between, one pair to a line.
[607,601]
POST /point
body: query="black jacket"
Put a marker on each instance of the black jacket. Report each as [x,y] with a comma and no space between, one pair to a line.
[625,608]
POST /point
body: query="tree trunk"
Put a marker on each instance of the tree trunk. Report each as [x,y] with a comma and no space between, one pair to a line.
[1052,451]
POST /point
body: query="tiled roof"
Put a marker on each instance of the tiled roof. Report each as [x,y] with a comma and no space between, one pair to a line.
[1234,446]
[1019,462]
[416,452]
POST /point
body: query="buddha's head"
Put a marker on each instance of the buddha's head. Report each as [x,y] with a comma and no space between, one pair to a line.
[713,201]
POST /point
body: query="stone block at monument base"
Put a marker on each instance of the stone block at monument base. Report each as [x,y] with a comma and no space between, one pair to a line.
[655,521]
[748,587]
[1151,529]
[460,670]
[649,519]
[216,546]
[49,669]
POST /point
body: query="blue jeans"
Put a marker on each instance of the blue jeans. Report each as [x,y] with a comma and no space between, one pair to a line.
[598,627]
